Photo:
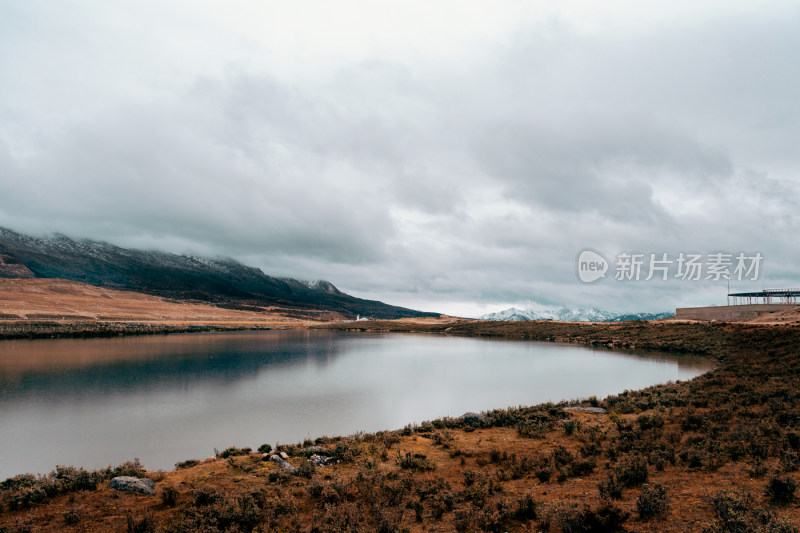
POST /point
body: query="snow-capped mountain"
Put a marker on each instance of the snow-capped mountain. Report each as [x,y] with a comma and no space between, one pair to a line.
[571,315]
[222,281]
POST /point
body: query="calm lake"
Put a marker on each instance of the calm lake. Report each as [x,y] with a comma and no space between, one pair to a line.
[168,398]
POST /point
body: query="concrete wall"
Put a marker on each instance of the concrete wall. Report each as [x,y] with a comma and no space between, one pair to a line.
[729,313]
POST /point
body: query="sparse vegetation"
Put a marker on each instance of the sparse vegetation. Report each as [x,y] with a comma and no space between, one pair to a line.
[652,501]
[714,441]
[232,452]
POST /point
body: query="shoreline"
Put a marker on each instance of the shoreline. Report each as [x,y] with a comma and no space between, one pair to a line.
[33,330]
[750,359]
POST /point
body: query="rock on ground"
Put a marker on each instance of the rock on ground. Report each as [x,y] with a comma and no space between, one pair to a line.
[133,484]
[283,463]
[596,410]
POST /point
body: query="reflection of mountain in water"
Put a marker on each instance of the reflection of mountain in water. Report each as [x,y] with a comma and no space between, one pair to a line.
[171,365]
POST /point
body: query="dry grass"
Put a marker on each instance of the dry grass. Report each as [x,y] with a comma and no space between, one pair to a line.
[55,300]
[724,446]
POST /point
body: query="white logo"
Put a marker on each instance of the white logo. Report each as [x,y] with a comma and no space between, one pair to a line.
[591,266]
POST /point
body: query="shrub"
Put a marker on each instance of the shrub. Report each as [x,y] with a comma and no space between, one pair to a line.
[562,456]
[169,496]
[653,421]
[631,470]
[416,461]
[534,429]
[306,469]
[233,451]
[205,496]
[187,464]
[652,502]
[737,513]
[582,467]
[69,479]
[610,488]
[606,518]
[390,438]
[441,438]
[571,426]
[145,524]
[73,516]
[265,448]
[26,490]
[781,490]
[526,509]
[128,468]
[346,451]
[691,421]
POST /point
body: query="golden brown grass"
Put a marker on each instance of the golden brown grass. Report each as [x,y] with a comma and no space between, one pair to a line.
[715,443]
[36,300]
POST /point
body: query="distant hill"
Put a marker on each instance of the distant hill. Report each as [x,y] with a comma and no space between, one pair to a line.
[223,282]
[569,315]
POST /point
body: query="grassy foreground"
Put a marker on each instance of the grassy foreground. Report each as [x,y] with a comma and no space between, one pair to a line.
[717,453]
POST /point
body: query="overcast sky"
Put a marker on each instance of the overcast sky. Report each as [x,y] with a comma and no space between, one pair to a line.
[447,156]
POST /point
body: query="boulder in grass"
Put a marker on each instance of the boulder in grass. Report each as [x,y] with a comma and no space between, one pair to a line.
[595,410]
[133,484]
[320,460]
[283,464]
[473,419]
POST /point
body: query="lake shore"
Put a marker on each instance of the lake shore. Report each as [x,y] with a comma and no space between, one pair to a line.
[724,444]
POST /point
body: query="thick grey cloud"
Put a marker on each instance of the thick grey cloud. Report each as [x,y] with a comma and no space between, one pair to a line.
[457,167]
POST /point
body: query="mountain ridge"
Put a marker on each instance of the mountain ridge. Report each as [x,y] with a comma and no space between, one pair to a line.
[569,315]
[222,281]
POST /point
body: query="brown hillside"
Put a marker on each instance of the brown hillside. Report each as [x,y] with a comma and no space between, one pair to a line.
[61,300]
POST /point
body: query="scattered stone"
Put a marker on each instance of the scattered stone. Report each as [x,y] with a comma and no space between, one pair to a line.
[133,484]
[284,456]
[320,460]
[473,419]
[283,464]
[595,410]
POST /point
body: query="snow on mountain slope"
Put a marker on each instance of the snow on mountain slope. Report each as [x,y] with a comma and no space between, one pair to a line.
[221,281]
[571,315]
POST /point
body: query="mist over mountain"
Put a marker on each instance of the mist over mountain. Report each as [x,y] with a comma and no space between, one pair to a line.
[572,315]
[220,281]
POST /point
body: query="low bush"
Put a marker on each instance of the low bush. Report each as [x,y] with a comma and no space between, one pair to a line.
[652,502]
[631,470]
[780,490]
[233,451]
[416,461]
[738,513]
[265,448]
[610,488]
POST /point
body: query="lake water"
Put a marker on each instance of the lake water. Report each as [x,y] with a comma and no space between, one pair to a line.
[164,399]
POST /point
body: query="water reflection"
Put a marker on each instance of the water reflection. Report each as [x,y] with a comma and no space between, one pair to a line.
[61,369]
[168,398]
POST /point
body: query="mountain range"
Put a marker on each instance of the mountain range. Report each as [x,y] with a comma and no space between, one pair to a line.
[223,282]
[569,315]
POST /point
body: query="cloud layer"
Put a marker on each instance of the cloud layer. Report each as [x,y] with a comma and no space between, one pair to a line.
[447,159]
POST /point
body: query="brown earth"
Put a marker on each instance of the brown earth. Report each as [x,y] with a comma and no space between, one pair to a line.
[25,303]
[790,316]
[10,268]
[722,447]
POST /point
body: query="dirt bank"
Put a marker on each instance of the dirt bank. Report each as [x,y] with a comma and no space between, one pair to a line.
[718,453]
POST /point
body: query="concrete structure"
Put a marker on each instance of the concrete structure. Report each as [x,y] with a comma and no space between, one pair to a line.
[729,313]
